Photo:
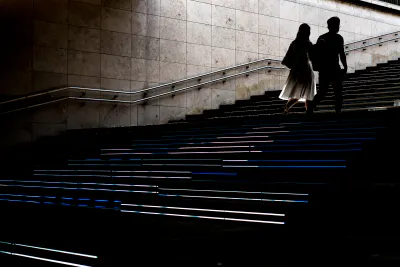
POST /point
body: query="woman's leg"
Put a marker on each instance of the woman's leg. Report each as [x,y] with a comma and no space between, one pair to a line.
[307,104]
[291,102]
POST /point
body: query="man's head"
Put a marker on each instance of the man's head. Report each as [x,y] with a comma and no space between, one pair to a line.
[334,24]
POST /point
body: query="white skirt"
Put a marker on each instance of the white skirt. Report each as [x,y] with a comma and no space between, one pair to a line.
[300,84]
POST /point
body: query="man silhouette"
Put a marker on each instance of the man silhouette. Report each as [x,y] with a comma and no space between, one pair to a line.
[331,47]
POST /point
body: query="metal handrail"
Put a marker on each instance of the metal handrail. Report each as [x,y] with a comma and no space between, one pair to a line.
[146,98]
[363,47]
[379,36]
[143,90]
[167,84]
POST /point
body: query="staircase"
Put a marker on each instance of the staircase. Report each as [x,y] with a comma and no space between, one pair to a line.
[374,87]
[237,192]
[237,186]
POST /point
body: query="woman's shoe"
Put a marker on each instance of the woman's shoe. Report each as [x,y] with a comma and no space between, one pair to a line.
[285,112]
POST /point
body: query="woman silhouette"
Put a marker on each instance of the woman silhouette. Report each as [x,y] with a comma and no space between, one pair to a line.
[300,85]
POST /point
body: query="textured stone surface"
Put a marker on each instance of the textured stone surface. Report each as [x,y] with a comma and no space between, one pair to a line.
[83,115]
[283,47]
[172,51]
[147,6]
[199,55]
[145,47]
[198,100]
[219,97]
[269,45]
[172,71]
[173,9]
[198,12]
[117,115]
[116,67]
[289,10]
[83,63]
[246,21]
[247,41]
[269,8]
[145,24]
[309,14]
[47,80]
[83,81]
[120,4]
[84,39]
[268,25]
[51,34]
[248,86]
[53,113]
[145,70]
[173,29]
[51,10]
[148,115]
[50,59]
[223,17]
[223,37]
[171,113]
[85,15]
[225,3]
[243,57]
[222,57]
[288,29]
[248,5]
[198,33]
[116,20]
[116,43]
[19,82]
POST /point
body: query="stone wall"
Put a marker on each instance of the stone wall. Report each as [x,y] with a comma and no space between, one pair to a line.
[133,44]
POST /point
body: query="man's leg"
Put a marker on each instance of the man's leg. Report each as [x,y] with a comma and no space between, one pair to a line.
[324,80]
[337,84]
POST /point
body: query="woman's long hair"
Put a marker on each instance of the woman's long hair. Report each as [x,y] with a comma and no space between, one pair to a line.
[303,35]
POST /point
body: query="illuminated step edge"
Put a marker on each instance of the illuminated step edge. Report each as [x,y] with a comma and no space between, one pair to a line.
[231,191]
[44,259]
[78,183]
[81,188]
[237,198]
[206,210]
[203,217]
[52,250]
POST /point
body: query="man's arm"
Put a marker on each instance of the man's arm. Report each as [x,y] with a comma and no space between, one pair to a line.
[343,55]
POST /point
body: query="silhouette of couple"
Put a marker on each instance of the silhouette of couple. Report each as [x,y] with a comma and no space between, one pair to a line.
[303,58]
